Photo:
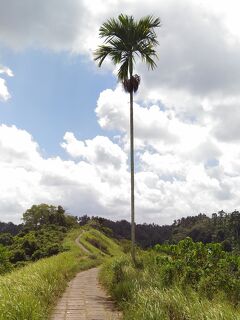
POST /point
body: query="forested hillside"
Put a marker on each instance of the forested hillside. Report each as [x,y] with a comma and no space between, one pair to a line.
[44,227]
[40,235]
[220,227]
[190,270]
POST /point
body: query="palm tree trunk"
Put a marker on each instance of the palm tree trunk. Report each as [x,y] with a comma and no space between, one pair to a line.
[132,178]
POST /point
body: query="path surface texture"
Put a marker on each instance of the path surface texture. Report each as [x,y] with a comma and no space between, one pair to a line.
[84,299]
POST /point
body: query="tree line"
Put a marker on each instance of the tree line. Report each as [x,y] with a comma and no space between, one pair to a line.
[221,227]
[40,235]
[44,227]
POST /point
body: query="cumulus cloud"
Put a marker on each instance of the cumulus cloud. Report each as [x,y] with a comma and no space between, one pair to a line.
[4,93]
[151,124]
[225,118]
[199,44]
[155,126]
[100,151]
[6,70]
[182,167]
[82,186]
[195,51]
[186,116]
[95,180]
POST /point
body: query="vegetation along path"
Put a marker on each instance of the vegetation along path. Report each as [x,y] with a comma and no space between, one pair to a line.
[84,299]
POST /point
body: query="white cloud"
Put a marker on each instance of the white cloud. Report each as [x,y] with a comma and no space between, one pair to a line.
[151,124]
[186,115]
[155,126]
[170,182]
[190,173]
[199,43]
[99,151]
[90,186]
[6,70]
[4,93]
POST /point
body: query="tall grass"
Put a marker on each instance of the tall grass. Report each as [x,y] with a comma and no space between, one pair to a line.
[30,292]
[99,244]
[142,295]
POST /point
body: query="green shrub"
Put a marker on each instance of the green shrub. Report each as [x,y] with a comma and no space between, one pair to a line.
[53,249]
[188,281]
[5,265]
[206,268]
[6,239]
[17,255]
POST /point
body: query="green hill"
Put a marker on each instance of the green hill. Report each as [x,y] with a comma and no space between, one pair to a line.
[29,292]
[176,278]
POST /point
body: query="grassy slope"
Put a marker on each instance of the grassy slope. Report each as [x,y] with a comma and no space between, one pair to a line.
[30,292]
[99,244]
[141,295]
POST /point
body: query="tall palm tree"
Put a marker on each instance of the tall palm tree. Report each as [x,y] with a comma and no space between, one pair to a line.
[124,39]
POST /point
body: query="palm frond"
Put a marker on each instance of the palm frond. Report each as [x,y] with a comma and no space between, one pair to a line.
[125,38]
[101,53]
[148,54]
[123,70]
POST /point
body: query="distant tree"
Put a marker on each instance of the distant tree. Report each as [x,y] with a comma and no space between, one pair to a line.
[234,222]
[44,214]
[83,220]
[10,227]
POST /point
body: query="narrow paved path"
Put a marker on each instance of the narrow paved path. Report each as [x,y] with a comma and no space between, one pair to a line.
[80,245]
[84,299]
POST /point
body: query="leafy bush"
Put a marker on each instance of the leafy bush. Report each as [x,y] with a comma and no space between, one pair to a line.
[6,239]
[53,249]
[206,268]
[31,245]
[5,264]
[17,255]
[188,281]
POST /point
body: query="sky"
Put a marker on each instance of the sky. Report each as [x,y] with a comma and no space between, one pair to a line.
[64,122]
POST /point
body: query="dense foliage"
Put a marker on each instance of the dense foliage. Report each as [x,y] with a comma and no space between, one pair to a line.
[44,214]
[184,281]
[206,268]
[10,227]
[41,235]
[221,227]
[35,244]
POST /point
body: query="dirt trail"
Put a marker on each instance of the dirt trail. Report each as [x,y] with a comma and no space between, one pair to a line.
[85,299]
